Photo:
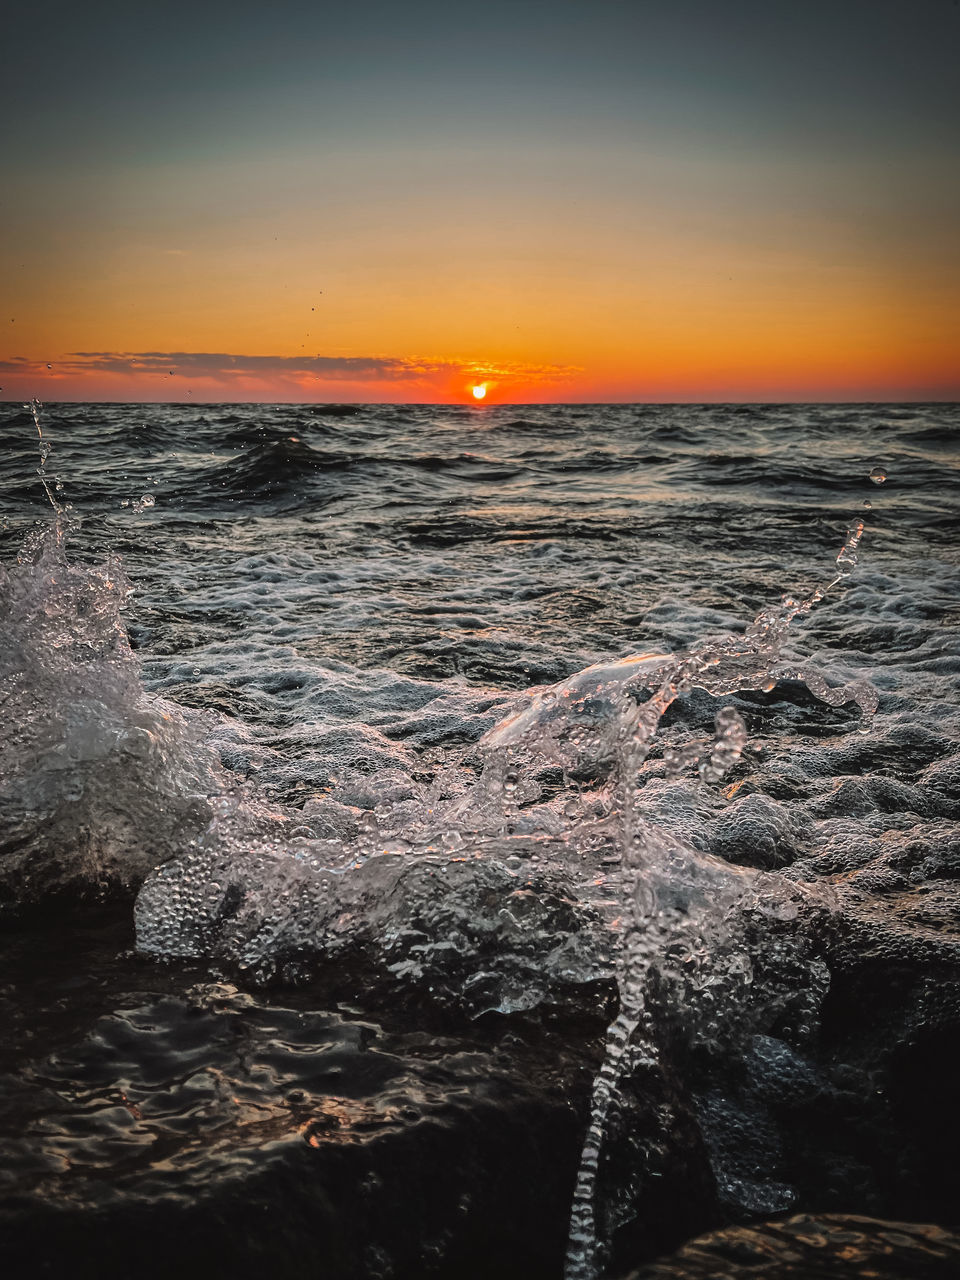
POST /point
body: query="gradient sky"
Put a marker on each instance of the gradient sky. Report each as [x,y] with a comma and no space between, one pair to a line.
[655,200]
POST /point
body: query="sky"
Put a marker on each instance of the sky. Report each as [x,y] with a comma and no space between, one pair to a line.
[614,200]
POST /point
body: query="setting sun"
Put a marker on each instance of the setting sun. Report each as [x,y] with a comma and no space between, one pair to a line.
[479,391]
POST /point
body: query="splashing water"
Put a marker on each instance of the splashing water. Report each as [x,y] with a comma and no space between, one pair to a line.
[428,887]
[99,781]
[677,900]
[45,448]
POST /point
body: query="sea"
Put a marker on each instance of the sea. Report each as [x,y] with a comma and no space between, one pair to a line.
[299,930]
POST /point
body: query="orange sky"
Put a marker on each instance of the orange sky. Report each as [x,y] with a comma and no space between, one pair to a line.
[677,239]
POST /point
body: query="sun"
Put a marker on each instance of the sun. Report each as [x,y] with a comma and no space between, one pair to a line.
[479,391]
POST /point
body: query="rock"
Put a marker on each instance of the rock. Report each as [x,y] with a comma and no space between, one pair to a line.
[151,1125]
[154,1122]
[815,1247]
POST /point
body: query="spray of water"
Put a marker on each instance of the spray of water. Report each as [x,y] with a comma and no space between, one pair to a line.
[45,449]
[99,781]
[688,921]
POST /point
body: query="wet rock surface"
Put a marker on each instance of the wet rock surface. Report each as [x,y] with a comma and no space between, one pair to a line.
[149,1109]
[810,1247]
[150,1116]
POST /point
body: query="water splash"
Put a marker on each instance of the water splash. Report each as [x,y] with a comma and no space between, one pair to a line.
[45,449]
[595,716]
[666,908]
[459,883]
[99,781]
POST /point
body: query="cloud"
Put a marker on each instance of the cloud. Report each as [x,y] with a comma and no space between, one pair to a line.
[226,368]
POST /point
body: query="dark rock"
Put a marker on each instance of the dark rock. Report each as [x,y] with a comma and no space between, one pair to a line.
[152,1121]
[815,1247]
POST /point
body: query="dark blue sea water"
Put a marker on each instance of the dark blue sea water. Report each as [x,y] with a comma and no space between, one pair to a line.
[247,656]
[507,546]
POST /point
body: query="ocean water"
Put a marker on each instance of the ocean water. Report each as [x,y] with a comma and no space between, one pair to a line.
[254,660]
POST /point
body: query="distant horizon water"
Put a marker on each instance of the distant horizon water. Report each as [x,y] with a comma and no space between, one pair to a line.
[493,403]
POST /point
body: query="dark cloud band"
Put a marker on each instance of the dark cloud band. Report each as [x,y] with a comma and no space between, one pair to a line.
[224,367]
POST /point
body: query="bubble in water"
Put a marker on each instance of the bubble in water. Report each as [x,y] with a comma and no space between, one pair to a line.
[145,500]
[878,475]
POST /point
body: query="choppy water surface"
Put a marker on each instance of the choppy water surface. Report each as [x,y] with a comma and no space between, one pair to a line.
[253,672]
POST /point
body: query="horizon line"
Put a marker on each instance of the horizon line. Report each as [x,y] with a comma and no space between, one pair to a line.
[478,407]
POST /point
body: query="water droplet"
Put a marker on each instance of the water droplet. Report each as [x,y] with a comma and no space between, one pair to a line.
[878,475]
